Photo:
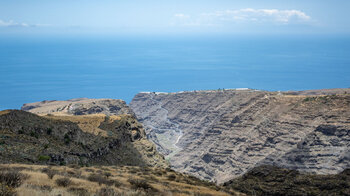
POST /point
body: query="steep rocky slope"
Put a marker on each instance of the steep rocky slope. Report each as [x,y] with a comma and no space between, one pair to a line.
[81,106]
[84,140]
[218,135]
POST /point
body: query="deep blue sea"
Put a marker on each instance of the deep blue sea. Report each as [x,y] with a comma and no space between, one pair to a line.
[57,68]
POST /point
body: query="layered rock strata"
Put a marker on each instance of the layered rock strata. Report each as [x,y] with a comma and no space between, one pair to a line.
[219,135]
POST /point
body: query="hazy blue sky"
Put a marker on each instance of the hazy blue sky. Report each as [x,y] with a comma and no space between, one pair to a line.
[174,17]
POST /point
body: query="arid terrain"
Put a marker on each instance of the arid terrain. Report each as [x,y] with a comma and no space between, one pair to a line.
[73,180]
[244,141]
[99,153]
[218,135]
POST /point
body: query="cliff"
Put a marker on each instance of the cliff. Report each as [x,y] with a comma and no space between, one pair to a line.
[219,135]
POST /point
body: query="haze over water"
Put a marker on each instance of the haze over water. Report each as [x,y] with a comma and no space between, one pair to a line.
[36,69]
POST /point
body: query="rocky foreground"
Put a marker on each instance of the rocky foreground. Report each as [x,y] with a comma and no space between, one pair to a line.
[73,180]
[219,135]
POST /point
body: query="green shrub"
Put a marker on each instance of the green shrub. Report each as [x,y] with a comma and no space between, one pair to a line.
[44,158]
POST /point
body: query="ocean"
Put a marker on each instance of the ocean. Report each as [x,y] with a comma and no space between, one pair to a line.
[59,68]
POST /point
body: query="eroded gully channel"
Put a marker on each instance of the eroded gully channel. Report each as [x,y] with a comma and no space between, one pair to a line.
[168,133]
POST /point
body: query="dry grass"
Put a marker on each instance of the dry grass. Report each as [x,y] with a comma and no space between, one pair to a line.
[4,112]
[87,123]
[146,181]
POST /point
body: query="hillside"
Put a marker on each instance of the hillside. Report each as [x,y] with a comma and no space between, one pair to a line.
[74,180]
[270,180]
[94,154]
[221,134]
[83,140]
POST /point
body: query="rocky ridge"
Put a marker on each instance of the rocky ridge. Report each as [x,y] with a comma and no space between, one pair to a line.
[224,133]
[80,106]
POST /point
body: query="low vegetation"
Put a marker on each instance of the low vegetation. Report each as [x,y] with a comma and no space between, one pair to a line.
[50,173]
[270,180]
[10,178]
[63,181]
[141,184]
[41,180]
[100,179]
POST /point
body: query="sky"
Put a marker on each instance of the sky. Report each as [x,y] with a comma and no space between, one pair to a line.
[174,17]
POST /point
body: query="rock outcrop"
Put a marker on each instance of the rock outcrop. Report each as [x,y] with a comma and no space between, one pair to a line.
[219,135]
[82,106]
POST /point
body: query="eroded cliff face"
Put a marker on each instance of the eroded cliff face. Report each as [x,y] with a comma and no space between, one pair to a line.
[219,135]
